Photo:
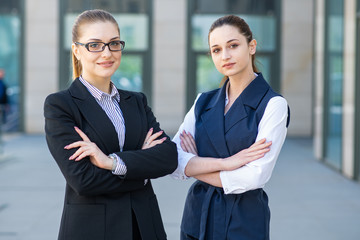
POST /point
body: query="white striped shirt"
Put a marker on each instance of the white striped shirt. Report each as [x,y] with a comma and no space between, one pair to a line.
[110,104]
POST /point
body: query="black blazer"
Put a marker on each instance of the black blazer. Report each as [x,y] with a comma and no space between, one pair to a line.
[98,205]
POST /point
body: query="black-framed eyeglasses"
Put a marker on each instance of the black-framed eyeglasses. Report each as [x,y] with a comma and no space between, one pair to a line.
[114,46]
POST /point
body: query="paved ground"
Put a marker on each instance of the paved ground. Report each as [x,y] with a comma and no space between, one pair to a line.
[308,200]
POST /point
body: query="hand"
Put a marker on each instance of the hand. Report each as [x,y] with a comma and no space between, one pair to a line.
[150,141]
[254,152]
[91,150]
[187,143]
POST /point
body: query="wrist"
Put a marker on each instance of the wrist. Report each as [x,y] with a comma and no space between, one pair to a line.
[221,164]
[113,163]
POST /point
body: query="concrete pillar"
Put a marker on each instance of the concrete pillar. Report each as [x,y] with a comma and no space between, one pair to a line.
[169,66]
[297,63]
[41,59]
[349,88]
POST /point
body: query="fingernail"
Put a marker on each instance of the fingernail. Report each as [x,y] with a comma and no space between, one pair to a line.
[164,138]
[76,127]
[66,147]
[151,129]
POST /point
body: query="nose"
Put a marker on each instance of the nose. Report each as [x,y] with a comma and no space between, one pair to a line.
[225,54]
[106,51]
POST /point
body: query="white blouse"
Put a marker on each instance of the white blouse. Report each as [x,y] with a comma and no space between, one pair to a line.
[254,174]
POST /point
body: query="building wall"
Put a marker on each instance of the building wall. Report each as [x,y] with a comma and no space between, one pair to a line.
[169,66]
[297,64]
[349,79]
[41,59]
[169,62]
[349,89]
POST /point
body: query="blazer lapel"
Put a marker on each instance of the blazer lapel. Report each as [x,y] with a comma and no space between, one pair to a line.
[213,120]
[132,118]
[251,97]
[95,116]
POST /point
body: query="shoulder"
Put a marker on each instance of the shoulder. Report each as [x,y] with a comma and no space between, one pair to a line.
[278,102]
[58,97]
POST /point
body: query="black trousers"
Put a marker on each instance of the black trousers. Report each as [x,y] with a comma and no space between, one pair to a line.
[135,228]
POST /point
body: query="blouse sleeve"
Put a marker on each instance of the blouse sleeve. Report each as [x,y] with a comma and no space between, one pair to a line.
[184,157]
[256,174]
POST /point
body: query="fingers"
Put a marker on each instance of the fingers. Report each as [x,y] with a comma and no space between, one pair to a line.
[148,135]
[82,134]
[85,149]
[155,136]
[150,139]
[80,153]
[187,142]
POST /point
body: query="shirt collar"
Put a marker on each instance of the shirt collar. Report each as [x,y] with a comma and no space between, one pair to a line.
[96,93]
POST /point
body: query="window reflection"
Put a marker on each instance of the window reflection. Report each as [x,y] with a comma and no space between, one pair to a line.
[262,19]
[334,82]
[10,38]
[134,21]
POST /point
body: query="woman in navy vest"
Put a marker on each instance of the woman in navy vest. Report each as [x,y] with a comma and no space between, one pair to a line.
[224,142]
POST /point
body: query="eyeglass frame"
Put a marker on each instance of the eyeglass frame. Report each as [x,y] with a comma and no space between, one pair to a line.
[86,45]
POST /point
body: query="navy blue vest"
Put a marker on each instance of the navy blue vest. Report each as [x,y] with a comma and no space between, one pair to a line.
[209,213]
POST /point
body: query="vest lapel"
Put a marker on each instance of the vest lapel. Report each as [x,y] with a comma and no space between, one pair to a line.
[251,97]
[213,120]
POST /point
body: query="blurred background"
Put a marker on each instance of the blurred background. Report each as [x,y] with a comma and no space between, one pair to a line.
[309,51]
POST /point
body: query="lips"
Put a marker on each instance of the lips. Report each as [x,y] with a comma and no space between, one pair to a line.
[228,65]
[106,63]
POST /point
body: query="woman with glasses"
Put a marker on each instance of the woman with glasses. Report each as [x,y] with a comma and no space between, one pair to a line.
[228,154]
[106,142]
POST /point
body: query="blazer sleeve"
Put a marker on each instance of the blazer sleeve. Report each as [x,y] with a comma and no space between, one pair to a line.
[154,162]
[82,176]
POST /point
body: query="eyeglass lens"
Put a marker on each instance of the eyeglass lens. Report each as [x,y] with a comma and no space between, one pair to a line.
[100,46]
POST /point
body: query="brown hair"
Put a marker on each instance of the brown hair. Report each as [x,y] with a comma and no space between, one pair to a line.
[89,16]
[243,28]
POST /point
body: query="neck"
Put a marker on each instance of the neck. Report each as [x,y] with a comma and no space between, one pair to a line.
[239,83]
[103,84]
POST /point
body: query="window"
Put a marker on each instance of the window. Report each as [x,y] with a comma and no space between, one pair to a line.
[263,19]
[334,41]
[133,17]
[11,63]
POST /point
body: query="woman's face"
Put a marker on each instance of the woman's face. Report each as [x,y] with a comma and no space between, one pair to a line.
[97,65]
[230,51]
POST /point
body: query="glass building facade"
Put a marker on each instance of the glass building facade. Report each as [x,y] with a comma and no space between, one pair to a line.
[333,109]
[263,17]
[11,62]
[134,19]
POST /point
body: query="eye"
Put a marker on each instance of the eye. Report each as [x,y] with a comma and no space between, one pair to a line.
[234,45]
[94,45]
[216,50]
[115,43]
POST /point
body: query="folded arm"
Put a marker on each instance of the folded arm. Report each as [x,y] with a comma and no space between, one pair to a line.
[82,176]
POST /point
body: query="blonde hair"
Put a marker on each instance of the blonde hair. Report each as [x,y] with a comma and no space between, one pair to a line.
[89,16]
[243,28]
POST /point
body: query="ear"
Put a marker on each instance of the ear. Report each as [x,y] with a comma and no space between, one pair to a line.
[76,51]
[252,46]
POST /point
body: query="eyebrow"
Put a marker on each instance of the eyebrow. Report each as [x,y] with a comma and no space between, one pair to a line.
[99,40]
[231,40]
